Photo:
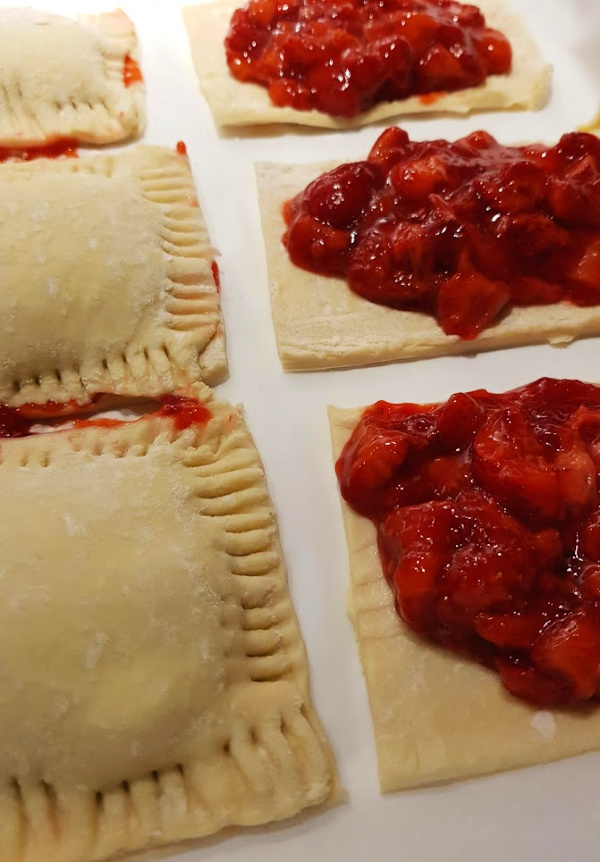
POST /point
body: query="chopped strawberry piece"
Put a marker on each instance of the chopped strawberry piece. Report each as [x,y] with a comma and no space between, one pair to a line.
[496,51]
[439,70]
[340,197]
[587,269]
[424,529]
[510,462]
[416,180]
[469,302]
[458,420]
[570,649]
[514,631]
[529,684]
[311,242]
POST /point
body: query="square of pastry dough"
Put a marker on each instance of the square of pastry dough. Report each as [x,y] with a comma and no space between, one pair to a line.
[61,78]
[173,697]
[437,716]
[107,281]
[234,103]
[321,323]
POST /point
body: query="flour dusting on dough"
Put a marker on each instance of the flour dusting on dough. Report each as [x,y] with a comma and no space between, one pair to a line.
[543,721]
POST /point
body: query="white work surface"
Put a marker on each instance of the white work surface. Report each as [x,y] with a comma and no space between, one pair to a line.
[549,813]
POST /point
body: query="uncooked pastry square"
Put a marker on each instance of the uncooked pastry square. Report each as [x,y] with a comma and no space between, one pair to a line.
[234,103]
[143,563]
[107,282]
[436,716]
[61,78]
[320,323]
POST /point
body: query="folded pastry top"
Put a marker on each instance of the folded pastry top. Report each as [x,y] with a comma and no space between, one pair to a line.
[61,78]
[106,279]
[153,686]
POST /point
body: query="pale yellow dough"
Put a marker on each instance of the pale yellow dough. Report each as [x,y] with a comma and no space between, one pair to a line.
[438,717]
[320,323]
[106,282]
[61,78]
[153,683]
[234,103]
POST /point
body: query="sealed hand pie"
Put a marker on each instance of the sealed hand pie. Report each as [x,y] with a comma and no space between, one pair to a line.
[432,247]
[325,98]
[64,79]
[107,282]
[172,697]
[472,535]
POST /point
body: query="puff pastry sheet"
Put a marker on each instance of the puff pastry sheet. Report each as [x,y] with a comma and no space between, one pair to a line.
[106,281]
[153,683]
[61,78]
[233,103]
[438,717]
[320,323]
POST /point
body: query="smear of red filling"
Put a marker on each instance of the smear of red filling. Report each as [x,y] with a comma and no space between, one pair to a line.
[181,148]
[57,149]
[18,421]
[184,411]
[487,509]
[429,98]
[132,74]
[216,274]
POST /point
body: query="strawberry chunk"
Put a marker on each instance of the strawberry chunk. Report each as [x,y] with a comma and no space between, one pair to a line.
[468,302]
[570,650]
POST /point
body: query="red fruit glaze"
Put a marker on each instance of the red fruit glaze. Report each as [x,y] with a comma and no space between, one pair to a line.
[183,411]
[487,509]
[216,274]
[132,74]
[344,56]
[458,230]
[181,148]
[18,421]
[66,147]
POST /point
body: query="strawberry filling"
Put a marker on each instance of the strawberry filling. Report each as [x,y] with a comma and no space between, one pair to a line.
[487,511]
[55,150]
[132,74]
[460,231]
[20,421]
[344,56]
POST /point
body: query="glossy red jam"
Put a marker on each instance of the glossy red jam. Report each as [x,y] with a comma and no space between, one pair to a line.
[344,56]
[460,230]
[181,148]
[183,411]
[487,510]
[58,149]
[18,421]
[216,274]
[132,74]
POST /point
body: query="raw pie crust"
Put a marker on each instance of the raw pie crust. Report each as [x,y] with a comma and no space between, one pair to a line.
[320,323]
[106,278]
[153,684]
[61,78]
[436,716]
[234,103]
